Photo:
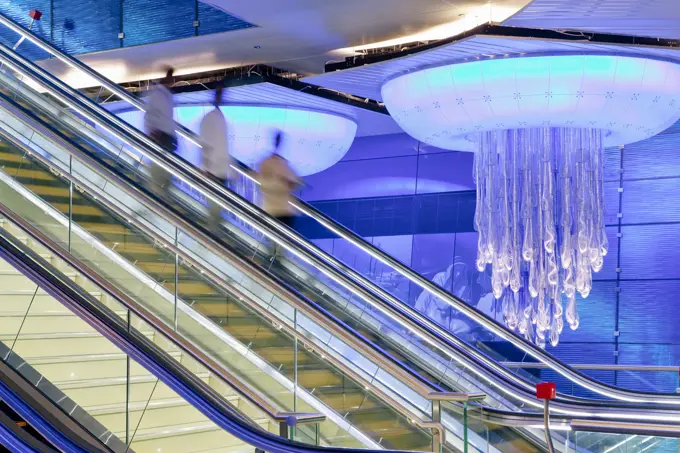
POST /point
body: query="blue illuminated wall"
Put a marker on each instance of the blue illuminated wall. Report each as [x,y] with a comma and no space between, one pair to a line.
[417,203]
[94,25]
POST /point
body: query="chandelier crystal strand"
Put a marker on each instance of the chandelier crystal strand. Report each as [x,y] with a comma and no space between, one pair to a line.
[540,219]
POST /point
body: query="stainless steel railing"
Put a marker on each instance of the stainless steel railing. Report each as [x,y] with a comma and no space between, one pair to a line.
[478,317]
[75,297]
[370,297]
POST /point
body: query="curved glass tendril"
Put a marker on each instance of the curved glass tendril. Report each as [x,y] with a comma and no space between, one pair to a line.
[540,219]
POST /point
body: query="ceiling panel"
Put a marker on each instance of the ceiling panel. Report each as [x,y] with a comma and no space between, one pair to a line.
[654,18]
[366,81]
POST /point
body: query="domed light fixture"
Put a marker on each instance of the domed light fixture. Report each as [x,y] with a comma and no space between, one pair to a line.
[538,126]
[314,140]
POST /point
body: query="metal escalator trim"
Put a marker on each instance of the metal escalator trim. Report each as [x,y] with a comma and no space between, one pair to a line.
[345,233]
[643,429]
[216,193]
[239,386]
[17,440]
[146,353]
[524,398]
[48,412]
[405,310]
[44,427]
[273,412]
[277,416]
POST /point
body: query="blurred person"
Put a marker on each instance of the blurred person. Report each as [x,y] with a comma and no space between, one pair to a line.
[278,181]
[160,126]
[216,161]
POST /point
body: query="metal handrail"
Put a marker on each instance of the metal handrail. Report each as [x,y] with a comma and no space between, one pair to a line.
[478,317]
[597,367]
[285,295]
[250,394]
[139,347]
[224,253]
[369,296]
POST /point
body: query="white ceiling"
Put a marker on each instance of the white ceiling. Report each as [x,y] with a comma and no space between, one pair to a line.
[299,35]
[366,81]
[655,18]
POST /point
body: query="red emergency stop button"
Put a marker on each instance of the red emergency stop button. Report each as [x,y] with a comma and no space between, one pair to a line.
[546,391]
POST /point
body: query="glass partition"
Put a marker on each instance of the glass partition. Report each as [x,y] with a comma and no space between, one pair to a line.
[215,315]
[105,390]
[241,234]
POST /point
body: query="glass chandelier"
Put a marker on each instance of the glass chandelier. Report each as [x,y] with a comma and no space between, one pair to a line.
[540,209]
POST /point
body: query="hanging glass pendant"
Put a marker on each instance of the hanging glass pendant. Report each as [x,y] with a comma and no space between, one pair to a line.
[540,219]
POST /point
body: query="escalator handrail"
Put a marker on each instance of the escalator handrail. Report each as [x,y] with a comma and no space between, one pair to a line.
[173,164]
[332,326]
[357,241]
[51,433]
[243,389]
[141,349]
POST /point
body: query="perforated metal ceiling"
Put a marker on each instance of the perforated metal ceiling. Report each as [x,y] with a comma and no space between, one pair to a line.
[655,18]
[366,81]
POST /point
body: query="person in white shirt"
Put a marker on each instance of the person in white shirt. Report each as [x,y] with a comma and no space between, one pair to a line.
[216,161]
[160,126]
[278,181]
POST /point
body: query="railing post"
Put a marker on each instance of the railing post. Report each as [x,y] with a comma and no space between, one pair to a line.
[465,427]
[438,433]
[547,391]
[436,418]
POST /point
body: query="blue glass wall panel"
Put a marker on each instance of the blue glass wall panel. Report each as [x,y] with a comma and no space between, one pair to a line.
[146,22]
[649,199]
[365,178]
[597,314]
[648,314]
[381,146]
[656,157]
[612,164]
[639,302]
[445,172]
[18,10]
[608,271]
[214,20]
[86,25]
[94,25]
[646,354]
[650,251]
[611,202]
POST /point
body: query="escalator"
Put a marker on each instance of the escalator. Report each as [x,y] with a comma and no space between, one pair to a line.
[98,360]
[157,416]
[360,411]
[511,345]
[309,369]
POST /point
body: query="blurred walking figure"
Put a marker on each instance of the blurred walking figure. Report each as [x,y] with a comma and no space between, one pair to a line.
[278,181]
[160,126]
[216,161]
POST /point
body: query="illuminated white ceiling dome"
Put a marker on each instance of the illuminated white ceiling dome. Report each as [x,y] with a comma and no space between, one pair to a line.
[630,98]
[314,140]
